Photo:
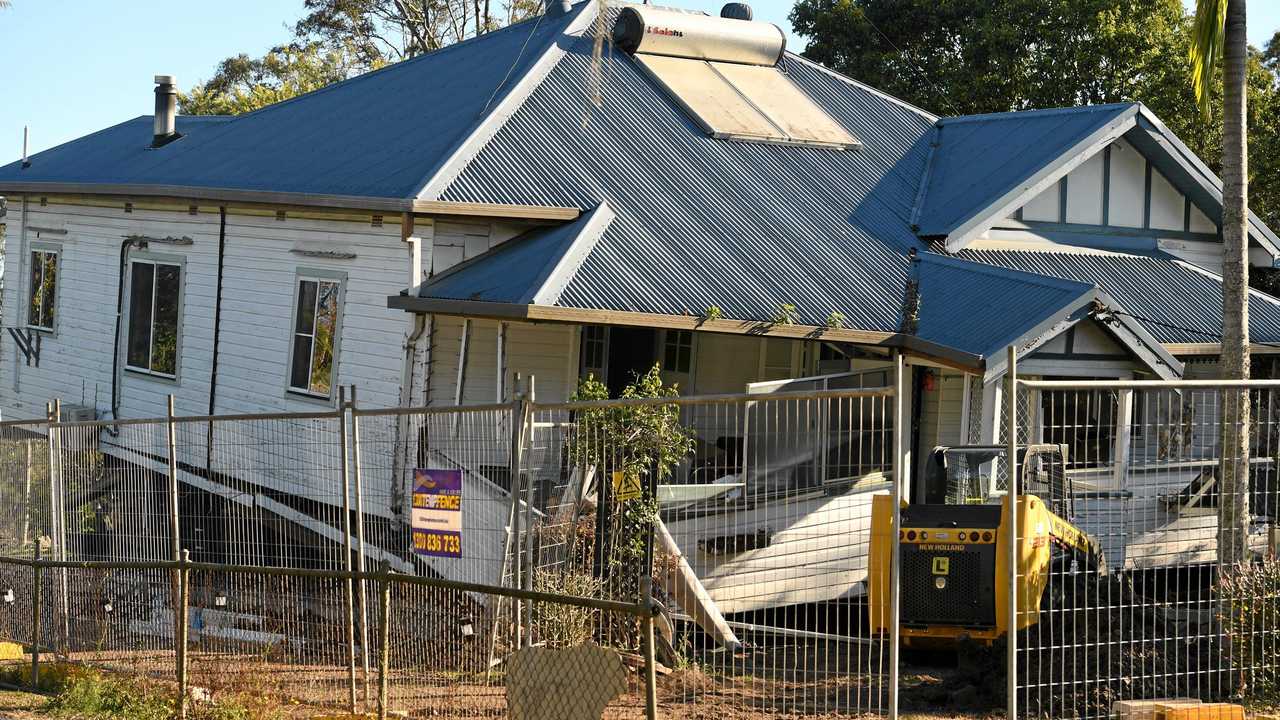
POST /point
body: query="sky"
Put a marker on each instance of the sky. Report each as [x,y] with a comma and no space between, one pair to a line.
[75,66]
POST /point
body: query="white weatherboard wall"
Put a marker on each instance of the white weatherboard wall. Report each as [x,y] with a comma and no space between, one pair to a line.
[258,296]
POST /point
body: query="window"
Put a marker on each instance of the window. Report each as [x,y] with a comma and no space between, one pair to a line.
[155,289]
[315,336]
[595,350]
[44,289]
[677,351]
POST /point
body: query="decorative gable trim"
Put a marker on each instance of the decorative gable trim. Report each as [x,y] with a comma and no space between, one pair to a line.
[1041,180]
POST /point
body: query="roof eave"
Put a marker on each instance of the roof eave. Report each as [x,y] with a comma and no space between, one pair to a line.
[1135,338]
[585,316]
[261,197]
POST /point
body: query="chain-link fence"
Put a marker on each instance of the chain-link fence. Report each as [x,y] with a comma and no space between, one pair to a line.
[1150,572]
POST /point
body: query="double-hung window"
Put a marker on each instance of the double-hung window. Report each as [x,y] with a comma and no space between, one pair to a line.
[43,296]
[314,348]
[155,297]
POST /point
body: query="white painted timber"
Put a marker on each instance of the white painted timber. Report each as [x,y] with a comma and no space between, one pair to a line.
[1168,206]
[1126,196]
[1084,192]
[1045,207]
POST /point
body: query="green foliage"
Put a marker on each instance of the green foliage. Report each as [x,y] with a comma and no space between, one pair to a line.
[243,84]
[836,320]
[1207,37]
[1250,597]
[785,314]
[713,312]
[977,56]
[92,695]
[644,439]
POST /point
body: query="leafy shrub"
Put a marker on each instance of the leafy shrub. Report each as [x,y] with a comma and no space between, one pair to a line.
[1251,620]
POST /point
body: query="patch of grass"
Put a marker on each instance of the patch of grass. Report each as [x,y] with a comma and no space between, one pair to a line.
[92,695]
[84,693]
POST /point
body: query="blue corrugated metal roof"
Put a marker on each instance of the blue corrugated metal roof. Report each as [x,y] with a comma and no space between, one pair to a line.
[704,221]
[376,135]
[979,158]
[981,309]
[519,269]
[1177,303]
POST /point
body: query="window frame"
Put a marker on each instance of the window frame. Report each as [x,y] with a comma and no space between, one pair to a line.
[43,247]
[153,259]
[315,275]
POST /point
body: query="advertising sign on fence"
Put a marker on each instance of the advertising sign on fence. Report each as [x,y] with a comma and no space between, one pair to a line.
[437,512]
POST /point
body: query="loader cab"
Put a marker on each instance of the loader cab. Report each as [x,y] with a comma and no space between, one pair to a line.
[978,475]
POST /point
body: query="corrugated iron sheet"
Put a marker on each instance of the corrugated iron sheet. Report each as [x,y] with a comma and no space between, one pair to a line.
[376,135]
[981,309]
[701,221]
[1176,303]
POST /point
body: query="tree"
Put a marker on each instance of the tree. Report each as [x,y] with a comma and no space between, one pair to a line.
[1220,33]
[338,39]
[977,56]
[380,31]
[243,84]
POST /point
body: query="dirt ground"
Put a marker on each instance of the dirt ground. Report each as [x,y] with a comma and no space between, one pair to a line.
[18,705]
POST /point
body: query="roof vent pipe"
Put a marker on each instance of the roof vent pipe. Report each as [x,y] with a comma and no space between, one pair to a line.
[164,130]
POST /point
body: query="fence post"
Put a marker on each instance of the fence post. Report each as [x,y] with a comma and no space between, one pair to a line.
[183,624]
[346,544]
[645,603]
[175,527]
[1011,463]
[58,505]
[35,619]
[529,500]
[513,542]
[899,478]
[360,547]
[384,649]
[26,496]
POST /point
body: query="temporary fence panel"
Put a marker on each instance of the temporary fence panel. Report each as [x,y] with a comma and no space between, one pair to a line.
[1147,601]
[763,513]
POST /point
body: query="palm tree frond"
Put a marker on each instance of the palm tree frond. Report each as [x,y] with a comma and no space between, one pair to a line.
[1206,47]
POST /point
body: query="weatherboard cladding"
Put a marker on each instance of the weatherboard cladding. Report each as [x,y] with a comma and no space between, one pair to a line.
[979,158]
[702,221]
[1184,303]
[376,135]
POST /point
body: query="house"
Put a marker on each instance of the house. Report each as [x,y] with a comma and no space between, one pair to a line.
[693,196]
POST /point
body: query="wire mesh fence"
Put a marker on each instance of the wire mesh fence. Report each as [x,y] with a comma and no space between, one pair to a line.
[743,522]
[1151,572]
[751,534]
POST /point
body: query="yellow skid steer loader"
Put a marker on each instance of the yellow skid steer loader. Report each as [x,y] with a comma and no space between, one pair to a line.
[955,557]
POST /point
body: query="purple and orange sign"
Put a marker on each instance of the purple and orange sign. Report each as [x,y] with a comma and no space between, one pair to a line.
[437,512]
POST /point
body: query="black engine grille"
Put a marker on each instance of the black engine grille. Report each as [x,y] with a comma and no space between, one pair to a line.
[967,600]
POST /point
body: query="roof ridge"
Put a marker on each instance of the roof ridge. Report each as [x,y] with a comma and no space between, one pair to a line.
[862,86]
[1039,112]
